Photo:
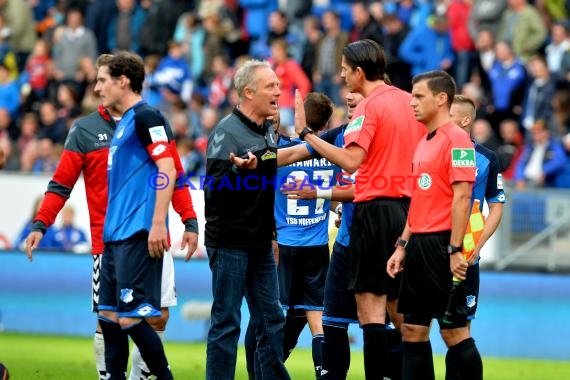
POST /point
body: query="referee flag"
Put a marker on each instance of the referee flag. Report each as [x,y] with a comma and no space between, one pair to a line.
[474,230]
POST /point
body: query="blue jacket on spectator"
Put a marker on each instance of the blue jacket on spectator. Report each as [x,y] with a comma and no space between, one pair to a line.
[196,46]
[505,81]
[562,180]
[48,241]
[257,15]
[10,97]
[138,17]
[425,49]
[552,164]
[69,237]
[174,74]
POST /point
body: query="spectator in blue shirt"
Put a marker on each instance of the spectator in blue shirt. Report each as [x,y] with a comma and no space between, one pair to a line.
[507,78]
[125,25]
[9,92]
[542,159]
[428,47]
[49,242]
[71,237]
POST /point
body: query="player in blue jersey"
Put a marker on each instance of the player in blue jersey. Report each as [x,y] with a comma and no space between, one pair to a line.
[302,237]
[141,178]
[488,186]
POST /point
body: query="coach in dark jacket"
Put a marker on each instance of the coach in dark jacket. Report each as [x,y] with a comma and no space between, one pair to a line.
[241,166]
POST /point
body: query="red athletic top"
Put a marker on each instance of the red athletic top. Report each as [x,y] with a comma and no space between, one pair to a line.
[384,126]
[86,150]
[445,156]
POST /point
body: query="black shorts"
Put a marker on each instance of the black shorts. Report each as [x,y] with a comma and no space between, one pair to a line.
[340,304]
[302,272]
[427,281]
[130,279]
[472,285]
[375,228]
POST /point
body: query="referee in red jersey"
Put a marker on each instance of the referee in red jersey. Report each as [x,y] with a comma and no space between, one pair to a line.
[444,165]
[379,142]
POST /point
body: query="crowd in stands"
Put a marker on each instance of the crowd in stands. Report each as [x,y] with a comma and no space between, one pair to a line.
[65,237]
[512,57]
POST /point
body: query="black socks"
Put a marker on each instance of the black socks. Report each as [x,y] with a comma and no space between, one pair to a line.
[418,361]
[150,346]
[336,353]
[394,364]
[463,362]
[374,350]
[116,349]
[294,325]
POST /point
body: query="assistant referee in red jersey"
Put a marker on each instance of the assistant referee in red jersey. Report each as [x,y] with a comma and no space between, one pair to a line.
[444,165]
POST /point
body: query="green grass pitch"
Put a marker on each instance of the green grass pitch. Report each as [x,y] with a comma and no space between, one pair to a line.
[30,357]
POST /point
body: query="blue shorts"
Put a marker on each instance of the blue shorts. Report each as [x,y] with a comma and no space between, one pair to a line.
[340,304]
[130,278]
[302,272]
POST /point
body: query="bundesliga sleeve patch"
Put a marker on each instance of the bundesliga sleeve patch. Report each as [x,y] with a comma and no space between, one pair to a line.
[355,125]
[463,158]
[500,181]
[158,134]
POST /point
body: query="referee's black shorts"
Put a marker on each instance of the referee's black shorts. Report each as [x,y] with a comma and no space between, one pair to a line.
[375,228]
[427,281]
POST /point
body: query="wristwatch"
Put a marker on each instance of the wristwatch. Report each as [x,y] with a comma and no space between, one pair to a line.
[401,243]
[305,132]
[451,249]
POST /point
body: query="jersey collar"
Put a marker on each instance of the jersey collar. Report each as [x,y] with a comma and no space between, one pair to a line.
[259,129]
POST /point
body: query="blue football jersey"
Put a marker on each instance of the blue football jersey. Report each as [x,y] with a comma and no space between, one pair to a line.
[488,184]
[303,223]
[343,236]
[335,137]
[132,197]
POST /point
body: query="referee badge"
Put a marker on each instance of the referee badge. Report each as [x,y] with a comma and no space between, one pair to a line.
[463,158]
[424,182]
[355,125]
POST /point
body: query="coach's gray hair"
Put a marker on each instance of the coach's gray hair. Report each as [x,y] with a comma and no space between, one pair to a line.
[245,76]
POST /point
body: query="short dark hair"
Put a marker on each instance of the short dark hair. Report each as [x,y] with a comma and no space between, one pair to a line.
[318,110]
[367,55]
[438,81]
[130,65]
